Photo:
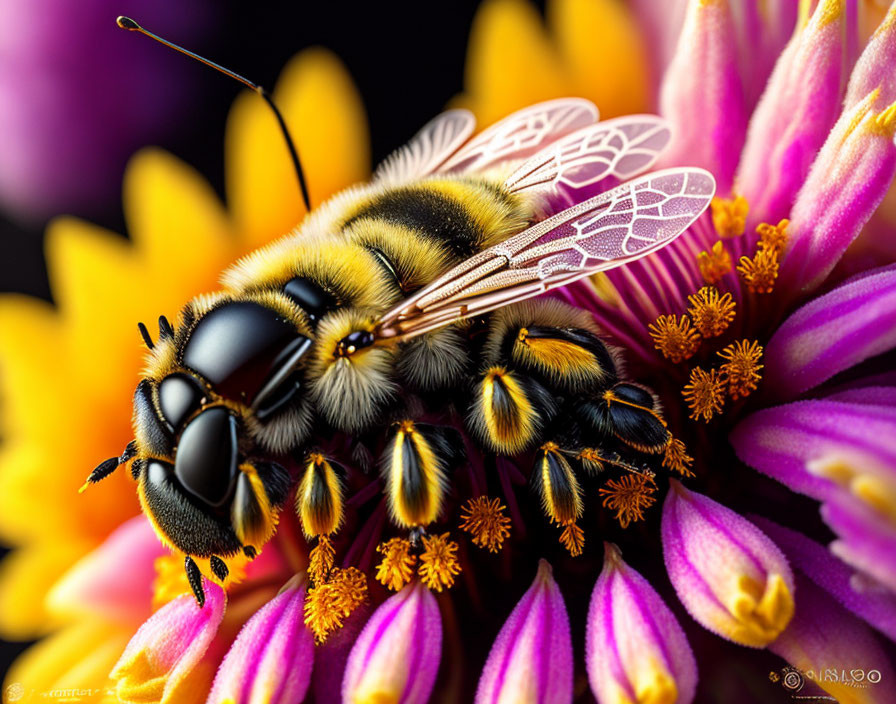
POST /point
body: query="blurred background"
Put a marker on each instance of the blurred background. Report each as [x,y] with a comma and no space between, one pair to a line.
[78,97]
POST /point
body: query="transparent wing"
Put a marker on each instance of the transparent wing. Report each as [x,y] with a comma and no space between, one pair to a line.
[522,134]
[612,229]
[428,149]
[621,148]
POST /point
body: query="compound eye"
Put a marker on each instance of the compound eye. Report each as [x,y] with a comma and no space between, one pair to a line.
[180,395]
[206,456]
[310,297]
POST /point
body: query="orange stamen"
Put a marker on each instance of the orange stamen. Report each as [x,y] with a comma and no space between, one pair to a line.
[711,312]
[741,368]
[715,263]
[484,519]
[705,393]
[674,337]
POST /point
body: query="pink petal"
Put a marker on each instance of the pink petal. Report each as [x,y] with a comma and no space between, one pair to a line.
[876,67]
[270,660]
[531,659]
[845,185]
[166,648]
[794,116]
[396,658]
[877,607]
[831,333]
[785,441]
[702,95]
[730,577]
[866,540]
[634,648]
[834,649]
[115,580]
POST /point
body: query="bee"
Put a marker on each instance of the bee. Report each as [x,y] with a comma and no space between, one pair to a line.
[398,311]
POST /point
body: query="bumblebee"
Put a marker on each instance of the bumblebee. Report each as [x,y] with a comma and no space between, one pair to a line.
[398,311]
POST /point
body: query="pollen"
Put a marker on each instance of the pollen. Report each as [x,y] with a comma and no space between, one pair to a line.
[484,519]
[741,367]
[677,459]
[773,237]
[320,559]
[760,272]
[328,605]
[705,393]
[674,337]
[397,566]
[711,312]
[573,538]
[729,216]
[629,496]
[438,562]
[715,263]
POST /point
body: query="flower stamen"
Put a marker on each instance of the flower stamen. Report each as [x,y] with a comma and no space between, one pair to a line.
[320,559]
[711,312]
[629,497]
[715,263]
[741,368]
[729,216]
[438,562]
[760,272]
[705,393]
[773,237]
[328,605]
[573,538]
[484,519]
[397,566]
[677,459]
[674,337]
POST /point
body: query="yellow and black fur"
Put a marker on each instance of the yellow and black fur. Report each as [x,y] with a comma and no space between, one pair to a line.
[508,377]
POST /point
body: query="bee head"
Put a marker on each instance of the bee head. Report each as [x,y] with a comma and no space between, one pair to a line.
[202,421]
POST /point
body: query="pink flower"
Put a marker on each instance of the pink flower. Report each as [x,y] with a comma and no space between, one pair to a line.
[270,660]
[397,655]
[635,651]
[157,664]
[531,659]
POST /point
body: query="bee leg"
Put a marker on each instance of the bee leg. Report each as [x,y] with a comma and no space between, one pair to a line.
[261,489]
[106,467]
[219,567]
[635,419]
[415,468]
[194,577]
[509,411]
[319,497]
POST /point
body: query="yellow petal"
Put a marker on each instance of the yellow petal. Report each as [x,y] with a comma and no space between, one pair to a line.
[175,220]
[326,119]
[25,578]
[604,53]
[79,657]
[510,62]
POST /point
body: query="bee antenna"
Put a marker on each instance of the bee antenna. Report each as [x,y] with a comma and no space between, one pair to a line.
[144,333]
[132,26]
[165,329]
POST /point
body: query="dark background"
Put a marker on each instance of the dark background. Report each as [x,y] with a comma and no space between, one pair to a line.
[406,60]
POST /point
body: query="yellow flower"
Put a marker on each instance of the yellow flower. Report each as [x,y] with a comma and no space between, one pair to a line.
[588,48]
[68,371]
